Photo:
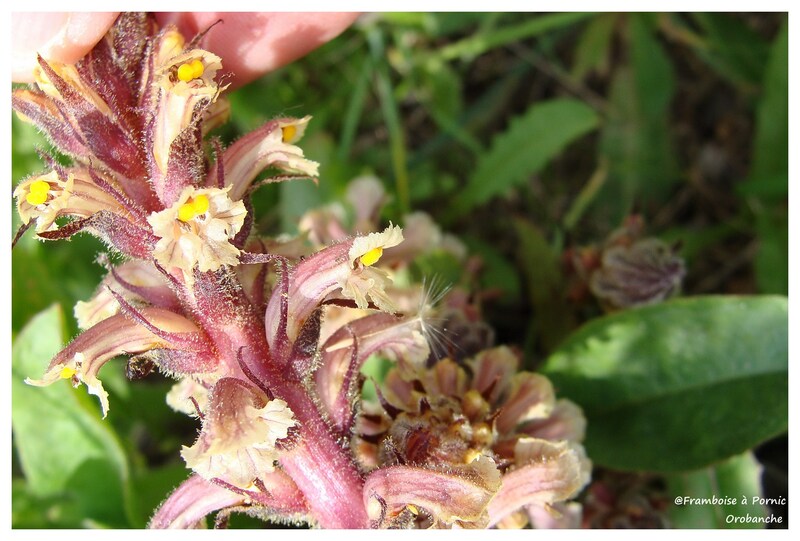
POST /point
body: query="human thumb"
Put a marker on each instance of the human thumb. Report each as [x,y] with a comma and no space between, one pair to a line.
[63,37]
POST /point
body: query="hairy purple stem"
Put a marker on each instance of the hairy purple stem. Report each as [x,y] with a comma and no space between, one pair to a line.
[316,461]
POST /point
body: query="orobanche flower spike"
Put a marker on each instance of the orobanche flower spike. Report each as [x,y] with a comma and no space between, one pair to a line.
[266,338]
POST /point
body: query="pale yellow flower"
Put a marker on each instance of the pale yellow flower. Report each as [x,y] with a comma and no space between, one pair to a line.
[178,397]
[364,282]
[196,231]
[47,197]
[184,81]
[42,198]
[77,370]
[240,431]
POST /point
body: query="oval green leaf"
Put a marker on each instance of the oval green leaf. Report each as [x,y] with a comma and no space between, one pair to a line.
[66,451]
[679,385]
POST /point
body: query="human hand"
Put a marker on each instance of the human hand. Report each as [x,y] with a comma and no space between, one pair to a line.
[251,43]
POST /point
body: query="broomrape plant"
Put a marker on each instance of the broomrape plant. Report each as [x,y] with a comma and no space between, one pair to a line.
[266,338]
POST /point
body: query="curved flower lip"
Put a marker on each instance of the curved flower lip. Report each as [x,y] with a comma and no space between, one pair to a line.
[203,239]
[168,44]
[76,192]
[531,397]
[45,212]
[178,397]
[82,359]
[566,422]
[263,148]
[196,497]
[240,431]
[546,472]
[191,502]
[318,276]
[459,495]
[347,349]
[389,237]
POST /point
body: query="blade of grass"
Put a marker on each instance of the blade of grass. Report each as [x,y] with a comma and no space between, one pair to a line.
[480,43]
[586,195]
[355,109]
[391,115]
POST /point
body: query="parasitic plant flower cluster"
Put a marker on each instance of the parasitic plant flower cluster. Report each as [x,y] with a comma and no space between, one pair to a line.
[265,338]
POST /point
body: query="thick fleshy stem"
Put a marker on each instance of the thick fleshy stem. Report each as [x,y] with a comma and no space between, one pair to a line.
[317,461]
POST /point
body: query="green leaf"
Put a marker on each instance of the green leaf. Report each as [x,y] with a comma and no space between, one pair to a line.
[65,450]
[591,51]
[30,511]
[391,117]
[635,137]
[769,177]
[678,385]
[529,143]
[717,495]
[772,259]
[552,318]
[732,48]
[771,146]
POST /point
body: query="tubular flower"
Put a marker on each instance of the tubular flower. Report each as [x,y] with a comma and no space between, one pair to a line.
[140,280]
[628,270]
[186,82]
[346,267]
[365,280]
[495,420]
[240,431]
[271,145]
[77,194]
[43,199]
[197,230]
[82,359]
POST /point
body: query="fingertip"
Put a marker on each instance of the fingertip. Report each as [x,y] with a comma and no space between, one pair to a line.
[252,44]
[62,37]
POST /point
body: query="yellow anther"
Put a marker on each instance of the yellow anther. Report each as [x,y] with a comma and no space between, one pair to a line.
[197,68]
[185,72]
[288,133]
[193,208]
[39,186]
[413,508]
[186,212]
[67,372]
[200,205]
[372,257]
[36,198]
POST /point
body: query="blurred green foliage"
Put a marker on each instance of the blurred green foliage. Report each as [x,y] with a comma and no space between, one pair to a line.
[525,134]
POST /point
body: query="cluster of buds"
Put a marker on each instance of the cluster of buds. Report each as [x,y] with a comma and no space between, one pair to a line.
[265,339]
